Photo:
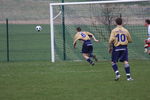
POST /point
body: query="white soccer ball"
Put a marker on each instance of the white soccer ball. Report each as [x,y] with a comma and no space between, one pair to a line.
[38,28]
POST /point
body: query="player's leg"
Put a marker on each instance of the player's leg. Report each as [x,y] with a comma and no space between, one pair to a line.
[124,58]
[86,56]
[86,50]
[127,70]
[146,48]
[91,53]
[148,51]
[115,56]
[93,56]
[115,68]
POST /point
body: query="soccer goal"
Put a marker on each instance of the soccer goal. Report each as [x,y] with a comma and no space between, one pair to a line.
[98,18]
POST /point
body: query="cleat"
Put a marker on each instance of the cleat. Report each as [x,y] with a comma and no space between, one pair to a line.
[92,63]
[94,57]
[130,79]
[117,77]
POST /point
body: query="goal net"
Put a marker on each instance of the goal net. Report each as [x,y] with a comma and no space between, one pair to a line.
[98,18]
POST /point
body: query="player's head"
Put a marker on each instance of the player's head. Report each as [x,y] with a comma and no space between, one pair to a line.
[147,22]
[78,29]
[119,21]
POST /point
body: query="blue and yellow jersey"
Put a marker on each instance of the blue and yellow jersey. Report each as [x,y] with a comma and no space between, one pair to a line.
[84,36]
[120,36]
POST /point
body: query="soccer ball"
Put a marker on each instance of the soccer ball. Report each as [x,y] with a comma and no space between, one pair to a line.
[38,28]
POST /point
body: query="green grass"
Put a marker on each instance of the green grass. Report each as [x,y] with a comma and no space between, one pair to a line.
[72,81]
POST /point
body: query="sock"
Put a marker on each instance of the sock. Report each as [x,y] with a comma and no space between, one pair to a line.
[89,60]
[91,55]
[115,68]
[127,70]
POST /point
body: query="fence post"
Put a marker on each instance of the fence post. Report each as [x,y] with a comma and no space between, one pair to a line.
[64,32]
[7,39]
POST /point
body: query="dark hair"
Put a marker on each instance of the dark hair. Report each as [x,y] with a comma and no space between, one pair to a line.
[78,29]
[147,21]
[119,21]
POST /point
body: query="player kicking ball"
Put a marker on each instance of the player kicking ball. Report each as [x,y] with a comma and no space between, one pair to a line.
[118,41]
[87,47]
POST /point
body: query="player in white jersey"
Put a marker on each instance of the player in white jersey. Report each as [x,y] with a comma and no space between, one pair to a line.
[147,41]
[147,23]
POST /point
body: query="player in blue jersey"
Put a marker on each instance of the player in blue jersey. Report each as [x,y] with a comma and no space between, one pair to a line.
[119,39]
[87,47]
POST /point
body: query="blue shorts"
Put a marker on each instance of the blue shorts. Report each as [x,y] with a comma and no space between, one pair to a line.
[119,54]
[87,47]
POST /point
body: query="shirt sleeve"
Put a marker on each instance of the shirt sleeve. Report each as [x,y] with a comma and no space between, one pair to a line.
[89,34]
[129,37]
[112,37]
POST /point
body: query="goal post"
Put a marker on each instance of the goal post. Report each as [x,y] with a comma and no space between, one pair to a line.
[52,34]
[93,13]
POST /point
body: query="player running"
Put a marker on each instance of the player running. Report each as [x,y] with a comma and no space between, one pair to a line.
[87,47]
[119,39]
[147,41]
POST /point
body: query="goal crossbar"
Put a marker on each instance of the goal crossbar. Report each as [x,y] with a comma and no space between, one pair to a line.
[96,2]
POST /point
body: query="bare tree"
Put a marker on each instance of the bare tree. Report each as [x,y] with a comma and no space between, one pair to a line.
[107,14]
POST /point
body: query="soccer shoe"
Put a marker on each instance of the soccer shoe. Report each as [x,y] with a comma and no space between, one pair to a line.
[92,63]
[117,77]
[130,79]
[145,50]
[94,57]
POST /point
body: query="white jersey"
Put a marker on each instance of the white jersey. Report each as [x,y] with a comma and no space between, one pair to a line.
[148,39]
[148,30]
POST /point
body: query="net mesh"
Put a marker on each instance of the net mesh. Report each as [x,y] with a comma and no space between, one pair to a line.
[99,20]
[26,44]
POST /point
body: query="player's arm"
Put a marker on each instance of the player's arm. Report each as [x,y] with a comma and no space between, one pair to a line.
[110,47]
[74,45]
[111,39]
[91,35]
[75,40]
[129,38]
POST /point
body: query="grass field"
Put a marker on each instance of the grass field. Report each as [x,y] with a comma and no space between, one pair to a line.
[72,81]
